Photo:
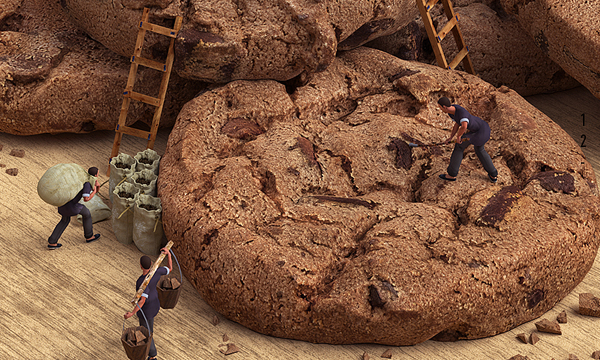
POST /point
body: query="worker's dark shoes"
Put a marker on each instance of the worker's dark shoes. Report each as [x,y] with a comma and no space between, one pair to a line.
[493,179]
[54,247]
[96,237]
[444,177]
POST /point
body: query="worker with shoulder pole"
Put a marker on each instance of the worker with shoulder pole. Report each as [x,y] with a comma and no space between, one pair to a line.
[469,129]
[148,301]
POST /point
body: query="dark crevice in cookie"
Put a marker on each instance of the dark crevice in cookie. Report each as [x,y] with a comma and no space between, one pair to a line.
[374,298]
[449,335]
[535,297]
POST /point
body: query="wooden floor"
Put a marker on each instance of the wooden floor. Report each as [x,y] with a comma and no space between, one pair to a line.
[69,303]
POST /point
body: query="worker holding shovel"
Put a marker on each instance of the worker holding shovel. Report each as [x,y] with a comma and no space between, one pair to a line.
[149,302]
[469,129]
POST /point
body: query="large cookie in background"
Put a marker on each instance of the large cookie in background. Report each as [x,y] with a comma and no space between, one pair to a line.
[55,79]
[303,213]
[566,30]
[224,40]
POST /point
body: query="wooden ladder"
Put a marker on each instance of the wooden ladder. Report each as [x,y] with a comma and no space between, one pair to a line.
[436,38]
[129,94]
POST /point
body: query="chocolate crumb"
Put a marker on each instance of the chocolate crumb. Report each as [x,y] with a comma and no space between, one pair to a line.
[596,354]
[589,305]
[522,337]
[533,338]
[573,357]
[215,320]
[12,171]
[17,153]
[225,338]
[548,326]
[231,349]
[519,357]
[366,356]
[387,354]
[2,165]
[562,317]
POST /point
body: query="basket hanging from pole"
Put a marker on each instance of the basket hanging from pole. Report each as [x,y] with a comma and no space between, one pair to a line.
[168,297]
[134,351]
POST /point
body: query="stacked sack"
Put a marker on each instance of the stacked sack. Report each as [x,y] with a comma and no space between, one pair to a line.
[137,212]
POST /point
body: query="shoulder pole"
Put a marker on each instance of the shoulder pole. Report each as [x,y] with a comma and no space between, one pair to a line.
[150,274]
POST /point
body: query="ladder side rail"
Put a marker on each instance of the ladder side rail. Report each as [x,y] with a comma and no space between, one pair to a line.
[432,35]
[163,86]
[458,38]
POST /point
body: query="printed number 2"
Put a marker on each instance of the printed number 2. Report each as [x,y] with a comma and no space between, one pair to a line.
[583,141]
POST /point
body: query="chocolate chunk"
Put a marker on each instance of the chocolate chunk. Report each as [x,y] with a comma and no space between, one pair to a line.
[240,128]
[589,305]
[387,354]
[231,348]
[403,153]
[522,337]
[498,206]
[12,171]
[533,338]
[548,326]
[17,153]
[555,181]
[596,354]
[562,317]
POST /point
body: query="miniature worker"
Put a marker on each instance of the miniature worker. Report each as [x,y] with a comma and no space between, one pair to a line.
[469,129]
[149,302]
[72,208]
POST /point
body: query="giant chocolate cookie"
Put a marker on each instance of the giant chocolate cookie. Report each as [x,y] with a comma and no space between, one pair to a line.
[303,213]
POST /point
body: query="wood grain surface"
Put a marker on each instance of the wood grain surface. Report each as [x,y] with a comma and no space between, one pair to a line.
[69,303]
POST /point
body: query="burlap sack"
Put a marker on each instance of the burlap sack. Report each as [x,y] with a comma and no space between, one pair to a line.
[147,224]
[119,174]
[147,160]
[61,183]
[98,209]
[122,212]
[145,181]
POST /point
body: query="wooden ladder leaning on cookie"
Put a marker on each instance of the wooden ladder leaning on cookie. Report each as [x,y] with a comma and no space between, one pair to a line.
[435,38]
[129,94]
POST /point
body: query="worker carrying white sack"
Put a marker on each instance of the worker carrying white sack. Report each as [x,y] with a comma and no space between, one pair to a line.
[63,185]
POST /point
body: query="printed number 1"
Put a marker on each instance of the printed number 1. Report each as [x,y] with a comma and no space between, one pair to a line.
[583,116]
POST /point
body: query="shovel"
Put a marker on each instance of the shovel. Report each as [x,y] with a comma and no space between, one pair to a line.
[428,145]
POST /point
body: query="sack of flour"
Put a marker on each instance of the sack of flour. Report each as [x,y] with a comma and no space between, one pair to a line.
[147,159]
[147,224]
[122,167]
[124,196]
[145,180]
[98,209]
[61,183]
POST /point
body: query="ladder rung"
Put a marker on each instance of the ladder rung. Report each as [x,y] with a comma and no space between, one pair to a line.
[430,4]
[133,132]
[141,97]
[461,55]
[158,29]
[149,63]
[451,23]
